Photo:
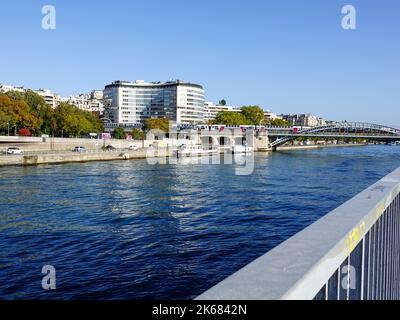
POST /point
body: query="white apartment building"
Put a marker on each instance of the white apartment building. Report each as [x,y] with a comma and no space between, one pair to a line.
[97,95]
[268,116]
[211,110]
[304,120]
[51,98]
[5,88]
[81,101]
[88,102]
[130,103]
[96,101]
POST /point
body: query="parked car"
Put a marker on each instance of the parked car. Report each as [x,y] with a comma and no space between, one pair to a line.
[14,151]
[133,147]
[110,148]
[79,149]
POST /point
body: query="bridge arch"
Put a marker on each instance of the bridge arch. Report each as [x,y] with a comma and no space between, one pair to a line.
[226,141]
[343,130]
[209,141]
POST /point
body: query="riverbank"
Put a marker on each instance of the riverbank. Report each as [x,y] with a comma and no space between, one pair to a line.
[321,146]
[91,156]
[68,157]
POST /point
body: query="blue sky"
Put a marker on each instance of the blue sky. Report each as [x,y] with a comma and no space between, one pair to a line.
[289,56]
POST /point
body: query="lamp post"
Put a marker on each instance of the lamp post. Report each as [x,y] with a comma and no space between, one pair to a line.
[8,128]
[104,138]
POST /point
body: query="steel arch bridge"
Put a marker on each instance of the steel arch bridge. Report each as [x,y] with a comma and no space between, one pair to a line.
[341,130]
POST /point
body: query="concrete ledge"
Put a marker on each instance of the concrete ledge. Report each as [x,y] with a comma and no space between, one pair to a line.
[320,146]
[28,160]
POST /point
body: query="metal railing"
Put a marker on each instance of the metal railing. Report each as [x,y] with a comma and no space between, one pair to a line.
[352,253]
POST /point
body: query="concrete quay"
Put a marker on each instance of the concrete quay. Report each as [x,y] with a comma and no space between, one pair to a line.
[68,157]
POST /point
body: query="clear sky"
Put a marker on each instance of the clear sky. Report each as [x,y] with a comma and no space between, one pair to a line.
[289,56]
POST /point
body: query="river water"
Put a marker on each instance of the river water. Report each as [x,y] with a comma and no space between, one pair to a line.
[131,230]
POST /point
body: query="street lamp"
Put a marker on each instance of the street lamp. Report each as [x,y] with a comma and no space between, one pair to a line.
[108,120]
[8,128]
[104,137]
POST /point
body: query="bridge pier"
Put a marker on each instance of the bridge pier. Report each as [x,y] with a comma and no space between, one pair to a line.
[261,141]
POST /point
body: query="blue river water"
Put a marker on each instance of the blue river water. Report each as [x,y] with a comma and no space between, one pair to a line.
[131,230]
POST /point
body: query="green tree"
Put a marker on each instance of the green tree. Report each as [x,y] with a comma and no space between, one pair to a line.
[17,113]
[279,123]
[157,123]
[29,110]
[15,95]
[6,116]
[137,134]
[222,102]
[118,133]
[230,118]
[73,122]
[94,120]
[42,110]
[253,114]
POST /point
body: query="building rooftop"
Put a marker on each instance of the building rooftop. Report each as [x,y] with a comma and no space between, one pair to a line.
[151,84]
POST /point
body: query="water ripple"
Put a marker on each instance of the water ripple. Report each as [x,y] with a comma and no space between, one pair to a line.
[129,230]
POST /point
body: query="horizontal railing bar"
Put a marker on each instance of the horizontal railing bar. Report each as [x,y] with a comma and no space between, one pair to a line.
[300,266]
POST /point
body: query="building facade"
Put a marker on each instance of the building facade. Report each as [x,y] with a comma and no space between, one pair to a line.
[131,103]
[88,102]
[270,116]
[5,88]
[211,110]
[51,98]
[304,120]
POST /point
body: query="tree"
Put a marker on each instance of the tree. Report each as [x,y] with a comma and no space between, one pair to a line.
[222,102]
[17,113]
[29,110]
[15,95]
[6,116]
[157,123]
[36,106]
[230,118]
[119,133]
[71,121]
[279,123]
[137,134]
[42,110]
[253,114]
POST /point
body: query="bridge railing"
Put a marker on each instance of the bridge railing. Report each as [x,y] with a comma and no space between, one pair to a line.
[352,253]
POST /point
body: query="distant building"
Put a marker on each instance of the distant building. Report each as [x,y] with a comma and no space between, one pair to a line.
[96,101]
[304,120]
[211,110]
[81,101]
[6,88]
[270,116]
[130,103]
[88,102]
[97,95]
[51,98]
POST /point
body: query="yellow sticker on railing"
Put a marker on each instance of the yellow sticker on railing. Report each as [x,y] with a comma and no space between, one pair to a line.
[354,237]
